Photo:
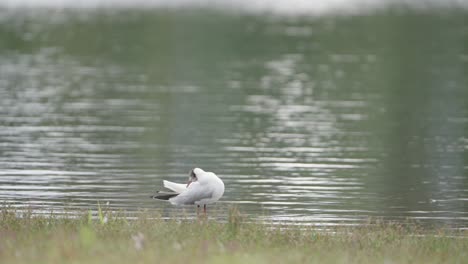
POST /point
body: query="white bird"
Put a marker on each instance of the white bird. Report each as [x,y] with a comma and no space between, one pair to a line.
[202,188]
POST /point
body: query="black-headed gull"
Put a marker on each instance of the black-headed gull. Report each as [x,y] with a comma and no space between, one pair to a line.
[202,188]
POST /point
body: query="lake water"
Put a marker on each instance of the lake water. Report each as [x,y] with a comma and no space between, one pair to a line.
[327,119]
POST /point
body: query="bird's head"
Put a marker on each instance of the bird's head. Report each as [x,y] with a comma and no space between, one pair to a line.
[195,175]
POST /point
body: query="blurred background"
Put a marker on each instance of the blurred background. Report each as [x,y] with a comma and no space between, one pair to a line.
[312,113]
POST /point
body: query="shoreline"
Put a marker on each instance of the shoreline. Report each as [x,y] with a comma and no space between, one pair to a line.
[110,238]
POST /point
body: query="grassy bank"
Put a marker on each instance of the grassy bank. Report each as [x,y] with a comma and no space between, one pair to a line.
[26,238]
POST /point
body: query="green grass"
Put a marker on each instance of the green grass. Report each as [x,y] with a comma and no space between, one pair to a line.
[29,238]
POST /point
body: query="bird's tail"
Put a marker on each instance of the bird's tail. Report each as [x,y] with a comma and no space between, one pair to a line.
[164,195]
[176,187]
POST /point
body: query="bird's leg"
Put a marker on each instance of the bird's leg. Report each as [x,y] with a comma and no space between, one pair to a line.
[204,209]
[198,211]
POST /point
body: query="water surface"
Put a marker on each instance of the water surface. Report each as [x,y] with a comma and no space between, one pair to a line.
[322,120]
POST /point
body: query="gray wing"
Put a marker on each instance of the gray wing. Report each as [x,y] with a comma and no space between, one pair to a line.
[195,192]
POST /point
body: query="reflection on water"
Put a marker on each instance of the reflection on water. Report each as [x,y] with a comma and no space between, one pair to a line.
[320,121]
[278,7]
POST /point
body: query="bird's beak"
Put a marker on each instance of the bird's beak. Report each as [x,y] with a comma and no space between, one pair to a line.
[189,182]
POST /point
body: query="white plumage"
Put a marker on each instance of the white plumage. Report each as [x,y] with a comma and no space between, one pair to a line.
[176,187]
[202,188]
